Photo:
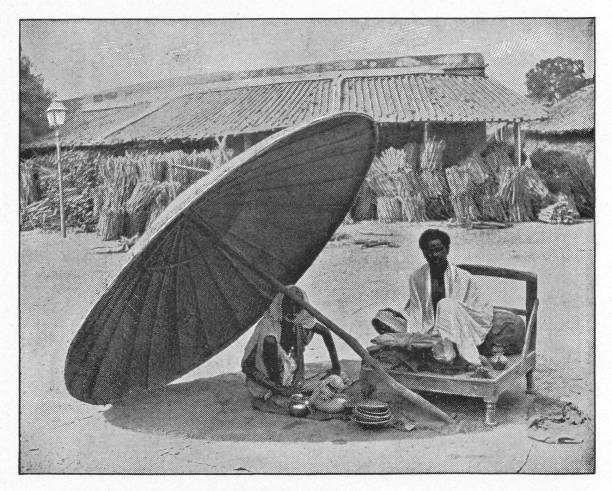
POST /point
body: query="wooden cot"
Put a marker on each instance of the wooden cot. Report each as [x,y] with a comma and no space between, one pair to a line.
[489,390]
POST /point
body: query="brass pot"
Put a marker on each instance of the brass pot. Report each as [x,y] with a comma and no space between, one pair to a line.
[299,409]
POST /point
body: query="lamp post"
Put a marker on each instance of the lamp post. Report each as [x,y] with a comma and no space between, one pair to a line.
[56,114]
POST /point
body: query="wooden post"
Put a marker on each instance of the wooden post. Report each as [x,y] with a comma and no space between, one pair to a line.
[425,132]
[61,183]
[517,143]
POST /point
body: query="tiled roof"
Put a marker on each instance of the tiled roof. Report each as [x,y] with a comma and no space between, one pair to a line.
[90,127]
[243,110]
[388,95]
[441,98]
[574,114]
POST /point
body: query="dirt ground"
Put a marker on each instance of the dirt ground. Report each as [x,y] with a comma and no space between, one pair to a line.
[204,424]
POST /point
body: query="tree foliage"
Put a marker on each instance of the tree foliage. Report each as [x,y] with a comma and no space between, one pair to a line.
[34,100]
[554,78]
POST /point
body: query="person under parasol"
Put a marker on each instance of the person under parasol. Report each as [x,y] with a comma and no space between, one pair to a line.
[273,357]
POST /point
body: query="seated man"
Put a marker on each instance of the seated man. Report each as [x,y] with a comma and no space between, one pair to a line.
[444,301]
[271,355]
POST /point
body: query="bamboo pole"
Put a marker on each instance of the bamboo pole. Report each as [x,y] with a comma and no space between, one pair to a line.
[342,334]
[189,167]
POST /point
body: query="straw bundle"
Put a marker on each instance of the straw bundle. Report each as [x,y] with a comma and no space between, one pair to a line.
[392,160]
[388,209]
[498,157]
[364,207]
[381,181]
[151,167]
[98,202]
[490,204]
[411,196]
[522,192]
[484,188]
[111,223]
[138,207]
[119,176]
[413,155]
[462,193]
[39,180]
[432,152]
[165,192]
[434,183]
[207,160]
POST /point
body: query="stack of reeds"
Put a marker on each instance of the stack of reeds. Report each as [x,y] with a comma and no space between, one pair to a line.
[432,152]
[364,207]
[413,155]
[433,177]
[151,166]
[462,194]
[485,187]
[118,178]
[380,180]
[79,178]
[498,157]
[522,192]
[165,192]
[183,166]
[411,196]
[138,206]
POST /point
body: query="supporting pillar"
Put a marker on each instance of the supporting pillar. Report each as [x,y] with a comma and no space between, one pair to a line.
[425,132]
[517,143]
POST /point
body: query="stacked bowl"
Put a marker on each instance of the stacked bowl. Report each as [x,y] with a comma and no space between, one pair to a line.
[372,414]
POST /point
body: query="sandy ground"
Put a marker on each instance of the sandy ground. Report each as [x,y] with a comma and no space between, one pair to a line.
[203,423]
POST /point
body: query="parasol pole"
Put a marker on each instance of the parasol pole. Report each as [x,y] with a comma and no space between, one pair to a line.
[345,336]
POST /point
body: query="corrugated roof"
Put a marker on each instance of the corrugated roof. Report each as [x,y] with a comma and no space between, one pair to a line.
[265,104]
[574,114]
[442,98]
[236,111]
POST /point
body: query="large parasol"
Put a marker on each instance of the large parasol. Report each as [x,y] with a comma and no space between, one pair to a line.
[211,263]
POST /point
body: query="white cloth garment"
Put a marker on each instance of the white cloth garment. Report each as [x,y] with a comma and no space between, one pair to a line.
[463,317]
[270,325]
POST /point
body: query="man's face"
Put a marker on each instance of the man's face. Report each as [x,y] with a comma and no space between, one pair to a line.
[435,253]
[290,308]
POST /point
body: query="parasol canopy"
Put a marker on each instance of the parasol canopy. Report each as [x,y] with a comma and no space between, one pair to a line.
[181,298]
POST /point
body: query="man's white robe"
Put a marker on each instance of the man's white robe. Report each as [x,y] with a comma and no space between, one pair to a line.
[463,317]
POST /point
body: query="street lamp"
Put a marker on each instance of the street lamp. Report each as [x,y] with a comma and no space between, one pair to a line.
[56,114]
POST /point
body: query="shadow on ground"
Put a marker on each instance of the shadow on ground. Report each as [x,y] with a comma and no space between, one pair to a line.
[219,409]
